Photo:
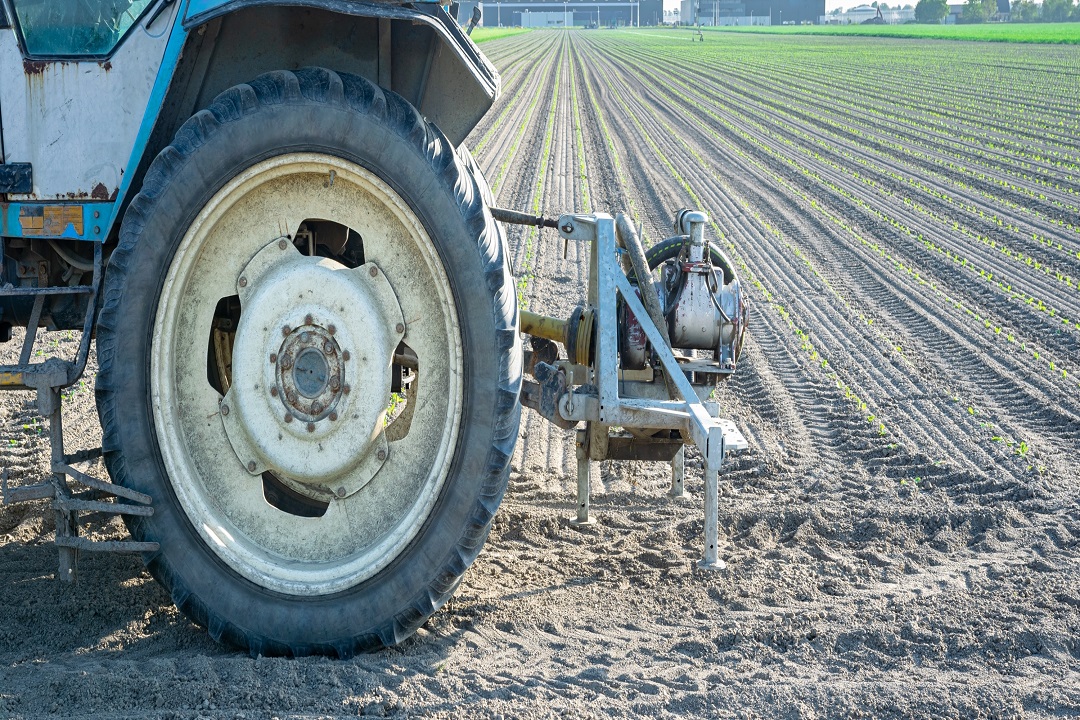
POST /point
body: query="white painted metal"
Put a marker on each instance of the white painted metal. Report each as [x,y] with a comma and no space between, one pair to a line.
[363,531]
[368,325]
[47,119]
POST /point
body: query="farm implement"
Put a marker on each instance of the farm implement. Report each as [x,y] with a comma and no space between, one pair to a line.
[311,370]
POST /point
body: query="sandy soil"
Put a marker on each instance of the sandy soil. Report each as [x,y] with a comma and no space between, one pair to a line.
[893,549]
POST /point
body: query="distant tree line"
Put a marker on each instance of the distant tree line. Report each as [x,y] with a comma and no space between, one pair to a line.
[977,11]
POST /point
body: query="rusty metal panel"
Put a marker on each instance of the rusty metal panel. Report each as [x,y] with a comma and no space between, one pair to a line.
[76,121]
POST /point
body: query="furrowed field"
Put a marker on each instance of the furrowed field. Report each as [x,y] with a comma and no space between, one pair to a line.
[903,536]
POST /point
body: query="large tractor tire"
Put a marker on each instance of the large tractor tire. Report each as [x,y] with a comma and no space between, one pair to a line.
[309,360]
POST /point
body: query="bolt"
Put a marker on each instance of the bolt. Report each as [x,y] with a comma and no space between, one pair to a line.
[224,409]
[381,454]
[282,244]
[291,395]
[331,329]
[285,330]
[344,354]
[328,347]
[273,391]
[286,361]
[399,328]
[333,416]
[243,282]
[341,492]
[288,417]
[273,358]
[373,271]
[335,384]
[251,466]
[316,407]
[97,214]
[305,337]
[97,230]
[308,320]
[311,427]
[346,389]
[568,228]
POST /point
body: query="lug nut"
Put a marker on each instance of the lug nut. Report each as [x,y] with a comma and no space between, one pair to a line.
[373,271]
[282,244]
[286,361]
[344,354]
[224,409]
[316,407]
[305,337]
[381,455]
[311,427]
[291,396]
[400,328]
[328,347]
[308,320]
[333,416]
[251,466]
[243,282]
[273,358]
[288,417]
[335,384]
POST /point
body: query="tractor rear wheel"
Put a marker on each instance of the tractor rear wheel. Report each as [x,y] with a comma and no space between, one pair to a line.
[309,360]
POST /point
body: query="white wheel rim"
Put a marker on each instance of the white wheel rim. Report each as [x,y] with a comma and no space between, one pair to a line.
[359,534]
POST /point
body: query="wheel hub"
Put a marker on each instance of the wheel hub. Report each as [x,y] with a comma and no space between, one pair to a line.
[310,331]
[310,372]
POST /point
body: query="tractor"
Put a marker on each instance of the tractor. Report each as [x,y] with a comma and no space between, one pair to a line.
[311,356]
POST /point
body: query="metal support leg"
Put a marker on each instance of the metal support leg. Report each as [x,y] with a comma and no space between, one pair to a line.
[711,560]
[66,523]
[678,472]
[583,468]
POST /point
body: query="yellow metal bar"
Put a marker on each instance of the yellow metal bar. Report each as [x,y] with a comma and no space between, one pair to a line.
[543,326]
[11,380]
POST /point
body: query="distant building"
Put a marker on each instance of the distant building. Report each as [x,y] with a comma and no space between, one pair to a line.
[862,13]
[556,13]
[743,12]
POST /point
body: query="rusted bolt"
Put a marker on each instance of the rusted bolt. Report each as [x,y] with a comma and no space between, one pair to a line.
[346,389]
[373,271]
[333,416]
[251,466]
[273,358]
[341,492]
[286,361]
[344,354]
[311,427]
[382,454]
[316,407]
[273,391]
[328,347]
[335,384]
[243,282]
[291,395]
[399,328]
[288,417]
[308,320]
[282,244]
[224,409]
[331,329]
[285,330]
[305,337]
